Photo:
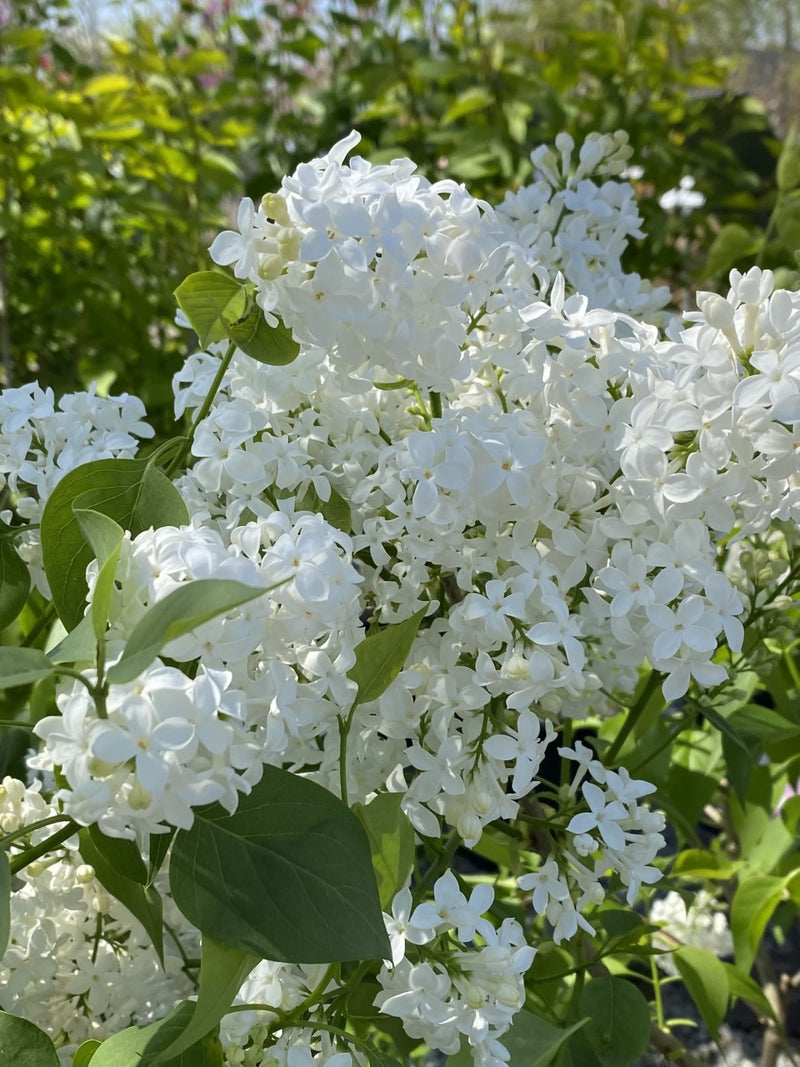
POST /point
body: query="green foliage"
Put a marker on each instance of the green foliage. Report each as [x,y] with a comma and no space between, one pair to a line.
[391,842]
[144,1046]
[380,657]
[24,1044]
[116,869]
[309,856]
[222,971]
[182,611]
[132,492]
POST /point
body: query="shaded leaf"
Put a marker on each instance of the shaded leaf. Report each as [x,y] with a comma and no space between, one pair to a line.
[222,971]
[21,666]
[134,493]
[15,583]
[142,1046]
[288,876]
[142,901]
[618,1030]
[24,1045]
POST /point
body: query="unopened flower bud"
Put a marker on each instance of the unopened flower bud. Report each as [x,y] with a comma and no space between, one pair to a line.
[509,995]
[469,827]
[274,207]
[139,798]
[84,873]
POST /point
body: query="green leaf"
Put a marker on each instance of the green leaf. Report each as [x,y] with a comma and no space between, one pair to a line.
[336,510]
[471,100]
[15,583]
[253,335]
[381,656]
[84,1052]
[133,492]
[788,169]
[24,1045]
[222,971]
[745,988]
[143,1046]
[21,666]
[288,876]
[755,900]
[159,847]
[211,300]
[719,722]
[739,763]
[121,854]
[79,646]
[732,244]
[5,902]
[618,1030]
[705,978]
[534,1042]
[104,537]
[391,842]
[182,611]
[697,863]
[142,901]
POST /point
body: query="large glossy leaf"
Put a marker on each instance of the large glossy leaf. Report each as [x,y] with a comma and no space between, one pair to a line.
[381,656]
[15,583]
[24,1045]
[182,611]
[132,492]
[21,666]
[144,1046]
[288,876]
[222,971]
[143,901]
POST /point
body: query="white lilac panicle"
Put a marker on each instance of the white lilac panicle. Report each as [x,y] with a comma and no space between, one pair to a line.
[56,972]
[476,993]
[41,440]
[703,924]
[498,432]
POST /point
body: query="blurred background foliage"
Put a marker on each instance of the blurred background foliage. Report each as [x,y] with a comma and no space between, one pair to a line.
[128,132]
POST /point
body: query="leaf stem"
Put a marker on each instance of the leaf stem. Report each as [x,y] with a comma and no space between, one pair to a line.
[634,714]
[30,854]
[31,827]
[203,410]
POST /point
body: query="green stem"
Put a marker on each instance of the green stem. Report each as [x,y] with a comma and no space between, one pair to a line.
[436,404]
[16,722]
[657,994]
[634,714]
[437,868]
[31,827]
[204,409]
[344,731]
[30,854]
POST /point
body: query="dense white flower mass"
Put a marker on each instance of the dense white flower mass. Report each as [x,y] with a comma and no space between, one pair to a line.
[486,424]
